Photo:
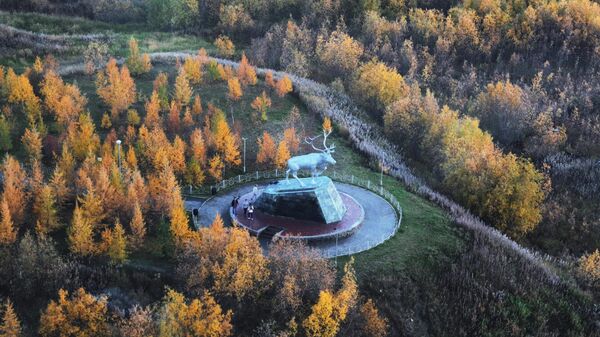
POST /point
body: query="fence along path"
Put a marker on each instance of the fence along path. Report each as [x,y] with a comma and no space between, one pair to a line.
[368,138]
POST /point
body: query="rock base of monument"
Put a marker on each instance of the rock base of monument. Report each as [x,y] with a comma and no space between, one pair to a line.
[315,200]
[285,213]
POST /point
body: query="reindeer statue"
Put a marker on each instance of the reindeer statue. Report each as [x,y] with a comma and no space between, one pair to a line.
[315,162]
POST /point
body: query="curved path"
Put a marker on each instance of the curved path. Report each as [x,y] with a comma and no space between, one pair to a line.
[368,137]
[379,222]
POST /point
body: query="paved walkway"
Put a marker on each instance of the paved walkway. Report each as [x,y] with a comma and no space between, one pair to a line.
[380,219]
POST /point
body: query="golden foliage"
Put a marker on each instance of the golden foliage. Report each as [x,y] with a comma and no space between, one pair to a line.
[81,315]
[137,227]
[589,265]
[235,89]
[373,324]
[284,86]
[32,142]
[261,104]
[283,154]
[8,234]
[193,69]
[291,139]
[153,119]
[65,101]
[267,150]
[321,322]
[136,63]
[14,181]
[225,143]
[269,79]
[202,317]
[197,106]
[197,147]
[44,207]
[246,72]
[116,88]
[10,326]
[82,138]
[80,234]
[215,167]
[379,84]
[183,90]
[224,46]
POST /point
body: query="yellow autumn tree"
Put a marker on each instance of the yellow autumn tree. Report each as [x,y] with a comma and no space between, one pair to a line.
[106,123]
[8,234]
[80,234]
[291,139]
[378,85]
[179,225]
[32,143]
[80,314]
[44,207]
[10,325]
[284,86]
[193,69]
[373,324]
[215,167]
[183,90]
[197,147]
[152,119]
[138,64]
[197,106]
[235,89]
[246,72]
[321,322]
[116,247]
[82,138]
[225,143]
[201,317]
[261,105]
[14,182]
[137,227]
[65,101]
[116,88]
[267,150]
[244,272]
[283,154]
[225,47]
[589,265]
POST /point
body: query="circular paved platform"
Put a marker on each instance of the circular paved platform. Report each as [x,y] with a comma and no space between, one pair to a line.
[380,219]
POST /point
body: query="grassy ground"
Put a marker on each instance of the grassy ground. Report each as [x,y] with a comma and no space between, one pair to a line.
[119,34]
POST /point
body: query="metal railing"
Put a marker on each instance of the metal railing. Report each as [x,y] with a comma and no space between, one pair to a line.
[344,178]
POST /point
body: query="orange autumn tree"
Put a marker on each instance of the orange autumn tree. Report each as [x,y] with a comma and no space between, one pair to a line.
[197,147]
[225,142]
[193,69]
[291,139]
[20,93]
[283,154]
[245,72]
[137,227]
[10,325]
[284,86]
[235,89]
[14,182]
[201,317]
[116,88]
[267,150]
[269,79]
[64,101]
[261,104]
[197,106]
[153,119]
[183,90]
[215,167]
[32,142]
[8,234]
[80,314]
[82,138]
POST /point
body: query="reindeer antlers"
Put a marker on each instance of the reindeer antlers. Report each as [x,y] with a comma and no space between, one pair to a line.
[326,149]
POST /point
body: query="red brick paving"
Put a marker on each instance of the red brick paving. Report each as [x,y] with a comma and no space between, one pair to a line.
[297,227]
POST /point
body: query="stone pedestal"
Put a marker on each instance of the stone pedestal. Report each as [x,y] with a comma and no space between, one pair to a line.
[318,200]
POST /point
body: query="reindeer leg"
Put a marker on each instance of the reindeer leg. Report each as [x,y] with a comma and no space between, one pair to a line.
[287,176]
[295,174]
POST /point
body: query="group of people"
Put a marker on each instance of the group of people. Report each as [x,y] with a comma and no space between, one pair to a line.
[247,206]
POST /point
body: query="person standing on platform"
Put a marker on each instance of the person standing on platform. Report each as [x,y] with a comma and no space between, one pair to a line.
[233,205]
[245,205]
[251,212]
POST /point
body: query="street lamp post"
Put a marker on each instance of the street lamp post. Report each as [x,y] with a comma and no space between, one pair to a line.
[119,153]
[244,139]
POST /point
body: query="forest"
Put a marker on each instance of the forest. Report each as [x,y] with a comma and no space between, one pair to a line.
[482,116]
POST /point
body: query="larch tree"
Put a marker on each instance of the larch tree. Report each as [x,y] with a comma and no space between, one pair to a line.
[225,143]
[106,122]
[64,101]
[161,86]
[243,273]
[283,154]
[194,175]
[82,138]
[174,120]
[137,227]
[246,72]
[8,234]
[291,139]
[269,79]
[183,90]
[116,250]
[188,120]
[197,106]
[80,234]
[235,89]
[267,150]
[44,207]
[321,322]
[10,325]
[32,142]
[202,317]
[138,64]
[373,325]
[179,223]
[197,147]
[224,46]
[284,86]
[215,167]
[152,119]
[131,158]
[261,105]
[193,69]
[14,182]
[80,314]
[116,88]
